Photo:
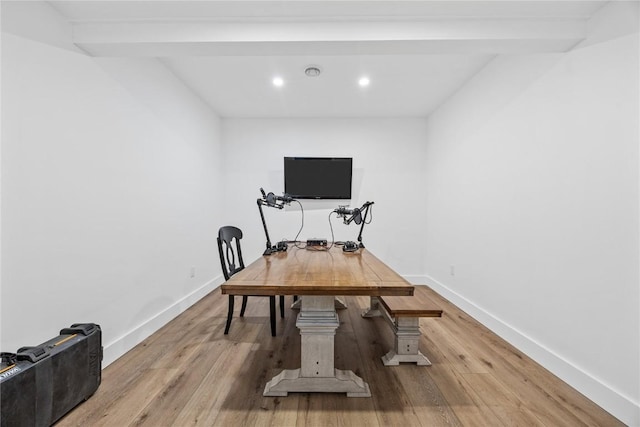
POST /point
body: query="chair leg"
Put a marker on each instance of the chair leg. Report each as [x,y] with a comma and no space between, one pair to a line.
[244,305]
[229,315]
[272,314]
[282,306]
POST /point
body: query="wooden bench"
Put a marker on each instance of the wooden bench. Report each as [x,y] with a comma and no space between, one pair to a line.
[403,314]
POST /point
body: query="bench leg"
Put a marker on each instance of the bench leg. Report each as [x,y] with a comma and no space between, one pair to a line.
[407,337]
[374,308]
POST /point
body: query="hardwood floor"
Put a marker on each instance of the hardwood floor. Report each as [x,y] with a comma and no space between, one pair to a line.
[189,373]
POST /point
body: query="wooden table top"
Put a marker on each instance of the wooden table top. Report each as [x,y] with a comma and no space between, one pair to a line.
[317,272]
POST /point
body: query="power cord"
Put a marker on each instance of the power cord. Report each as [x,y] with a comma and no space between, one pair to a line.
[296,242]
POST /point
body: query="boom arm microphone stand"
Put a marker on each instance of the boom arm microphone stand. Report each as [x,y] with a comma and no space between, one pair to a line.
[359,216]
[270,249]
[364,207]
[269,200]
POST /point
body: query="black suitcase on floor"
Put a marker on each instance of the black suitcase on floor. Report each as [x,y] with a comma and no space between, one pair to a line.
[39,385]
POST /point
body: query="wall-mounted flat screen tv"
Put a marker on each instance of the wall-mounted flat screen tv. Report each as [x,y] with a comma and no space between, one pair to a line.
[318,177]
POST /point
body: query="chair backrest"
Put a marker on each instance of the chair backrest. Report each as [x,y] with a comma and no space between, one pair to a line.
[230,253]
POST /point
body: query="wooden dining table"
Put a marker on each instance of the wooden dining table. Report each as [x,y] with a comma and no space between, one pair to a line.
[318,276]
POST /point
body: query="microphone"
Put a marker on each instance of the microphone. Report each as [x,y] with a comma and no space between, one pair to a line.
[272,200]
[342,211]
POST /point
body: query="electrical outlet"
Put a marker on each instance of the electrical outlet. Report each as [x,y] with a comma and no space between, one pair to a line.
[452,270]
[192,272]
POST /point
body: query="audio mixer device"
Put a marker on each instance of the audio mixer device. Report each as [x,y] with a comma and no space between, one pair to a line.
[317,242]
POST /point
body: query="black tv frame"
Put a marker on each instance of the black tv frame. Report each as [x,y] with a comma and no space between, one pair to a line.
[311,173]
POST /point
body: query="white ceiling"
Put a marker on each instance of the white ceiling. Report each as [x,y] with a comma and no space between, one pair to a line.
[416,53]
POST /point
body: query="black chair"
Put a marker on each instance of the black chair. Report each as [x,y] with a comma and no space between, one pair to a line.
[231,253]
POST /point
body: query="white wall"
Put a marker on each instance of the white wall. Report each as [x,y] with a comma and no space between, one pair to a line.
[387,164]
[532,196]
[110,185]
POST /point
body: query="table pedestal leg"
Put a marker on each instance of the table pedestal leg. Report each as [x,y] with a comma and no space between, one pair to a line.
[374,308]
[317,322]
[340,304]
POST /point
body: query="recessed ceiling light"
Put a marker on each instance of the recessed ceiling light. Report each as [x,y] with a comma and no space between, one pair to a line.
[278,81]
[364,81]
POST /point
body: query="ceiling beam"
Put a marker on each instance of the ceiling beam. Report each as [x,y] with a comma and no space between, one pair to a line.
[266,37]
[96,10]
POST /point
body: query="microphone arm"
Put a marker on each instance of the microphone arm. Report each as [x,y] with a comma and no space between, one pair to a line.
[271,201]
[364,208]
[359,216]
[355,214]
[269,249]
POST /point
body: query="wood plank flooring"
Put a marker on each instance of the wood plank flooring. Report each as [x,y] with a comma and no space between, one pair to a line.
[189,373]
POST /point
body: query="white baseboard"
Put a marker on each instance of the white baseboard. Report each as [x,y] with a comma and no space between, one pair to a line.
[126,342]
[620,406]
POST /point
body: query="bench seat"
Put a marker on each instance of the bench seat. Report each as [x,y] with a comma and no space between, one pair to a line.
[418,305]
[403,314]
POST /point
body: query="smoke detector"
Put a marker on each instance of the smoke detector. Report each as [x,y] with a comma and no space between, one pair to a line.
[312,71]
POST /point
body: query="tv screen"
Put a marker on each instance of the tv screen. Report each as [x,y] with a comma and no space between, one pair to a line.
[317,177]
